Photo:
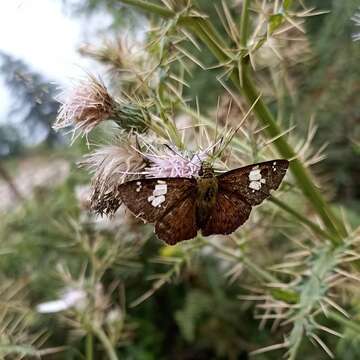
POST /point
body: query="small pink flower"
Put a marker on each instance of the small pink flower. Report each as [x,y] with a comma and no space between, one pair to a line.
[84,106]
[172,162]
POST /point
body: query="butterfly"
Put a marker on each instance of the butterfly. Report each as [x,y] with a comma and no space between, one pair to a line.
[214,204]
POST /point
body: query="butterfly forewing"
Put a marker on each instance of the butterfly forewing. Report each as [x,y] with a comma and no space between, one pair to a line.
[179,223]
[254,182]
[228,214]
[150,199]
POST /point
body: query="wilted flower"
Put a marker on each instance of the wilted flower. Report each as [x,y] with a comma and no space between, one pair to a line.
[356,19]
[111,165]
[89,103]
[85,106]
[174,163]
[71,297]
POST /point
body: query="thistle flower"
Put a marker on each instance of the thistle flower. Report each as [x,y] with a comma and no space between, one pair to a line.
[174,163]
[356,19]
[89,103]
[85,106]
[111,166]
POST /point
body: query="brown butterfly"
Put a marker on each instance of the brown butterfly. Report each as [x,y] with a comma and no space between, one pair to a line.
[180,207]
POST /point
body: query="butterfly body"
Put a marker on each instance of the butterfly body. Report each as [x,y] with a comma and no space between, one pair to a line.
[206,194]
[180,207]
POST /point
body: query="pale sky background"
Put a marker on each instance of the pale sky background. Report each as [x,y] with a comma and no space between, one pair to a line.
[46,38]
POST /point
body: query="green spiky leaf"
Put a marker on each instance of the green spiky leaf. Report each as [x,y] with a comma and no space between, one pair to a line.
[287,4]
[275,22]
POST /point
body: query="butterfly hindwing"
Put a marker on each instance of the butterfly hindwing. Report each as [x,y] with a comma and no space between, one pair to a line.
[150,199]
[179,222]
[228,214]
[254,182]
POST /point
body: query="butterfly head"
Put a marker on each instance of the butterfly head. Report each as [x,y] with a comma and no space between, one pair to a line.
[206,170]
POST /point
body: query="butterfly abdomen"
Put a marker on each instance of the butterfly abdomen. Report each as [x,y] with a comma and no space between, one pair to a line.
[207,189]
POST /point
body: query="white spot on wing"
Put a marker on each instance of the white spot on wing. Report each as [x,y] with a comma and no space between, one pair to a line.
[254,175]
[157,201]
[255,179]
[139,186]
[160,190]
[158,195]
[256,185]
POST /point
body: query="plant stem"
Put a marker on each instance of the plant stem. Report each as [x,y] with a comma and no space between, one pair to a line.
[99,332]
[256,270]
[89,347]
[206,32]
[299,171]
[351,324]
[152,8]
[317,229]
[259,272]
[244,24]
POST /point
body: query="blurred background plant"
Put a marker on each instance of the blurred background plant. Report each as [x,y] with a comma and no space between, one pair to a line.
[235,81]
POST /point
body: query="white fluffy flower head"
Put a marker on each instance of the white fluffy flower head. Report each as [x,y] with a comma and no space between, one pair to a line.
[84,106]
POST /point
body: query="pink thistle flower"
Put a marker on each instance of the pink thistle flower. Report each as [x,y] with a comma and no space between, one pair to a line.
[174,163]
[111,166]
[84,106]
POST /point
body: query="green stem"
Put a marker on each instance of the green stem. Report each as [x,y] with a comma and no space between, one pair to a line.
[244,24]
[256,270]
[152,8]
[259,272]
[99,332]
[89,347]
[299,171]
[317,229]
[351,324]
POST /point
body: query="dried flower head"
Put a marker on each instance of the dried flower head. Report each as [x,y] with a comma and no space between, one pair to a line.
[89,103]
[111,165]
[84,106]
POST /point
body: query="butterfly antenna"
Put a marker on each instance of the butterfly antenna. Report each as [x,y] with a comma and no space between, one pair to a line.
[180,155]
[232,133]
[217,121]
[247,114]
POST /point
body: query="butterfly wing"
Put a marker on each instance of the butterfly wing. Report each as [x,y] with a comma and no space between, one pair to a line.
[239,190]
[228,214]
[179,223]
[168,202]
[253,183]
[150,199]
